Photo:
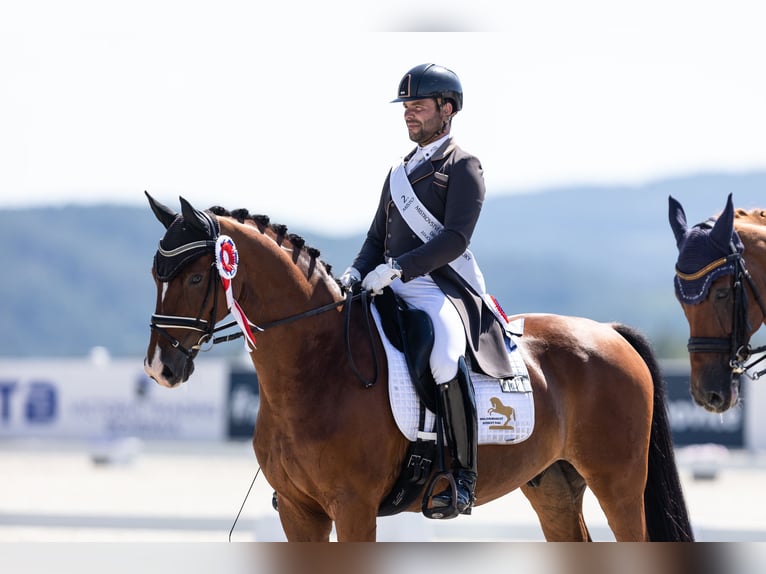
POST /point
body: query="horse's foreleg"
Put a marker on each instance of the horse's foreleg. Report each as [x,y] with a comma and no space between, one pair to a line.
[356,523]
[302,524]
[557,500]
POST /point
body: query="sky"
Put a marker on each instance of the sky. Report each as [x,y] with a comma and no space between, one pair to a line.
[284,107]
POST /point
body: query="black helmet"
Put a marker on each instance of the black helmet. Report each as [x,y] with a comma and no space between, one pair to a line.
[430,81]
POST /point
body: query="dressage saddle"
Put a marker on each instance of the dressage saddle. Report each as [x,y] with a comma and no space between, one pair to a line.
[412,333]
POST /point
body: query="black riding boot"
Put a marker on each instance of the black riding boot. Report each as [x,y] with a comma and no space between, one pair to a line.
[458,409]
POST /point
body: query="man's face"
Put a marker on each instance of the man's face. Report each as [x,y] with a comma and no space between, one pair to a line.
[424,120]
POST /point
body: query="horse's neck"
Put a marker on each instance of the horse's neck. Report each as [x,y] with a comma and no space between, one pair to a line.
[752,231]
[298,363]
[274,283]
[278,280]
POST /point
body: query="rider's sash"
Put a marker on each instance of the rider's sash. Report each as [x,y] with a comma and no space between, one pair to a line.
[426,227]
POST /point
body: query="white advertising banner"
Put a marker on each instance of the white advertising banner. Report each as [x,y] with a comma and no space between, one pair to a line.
[78,398]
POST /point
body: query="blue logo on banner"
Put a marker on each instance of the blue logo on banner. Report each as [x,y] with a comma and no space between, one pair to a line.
[42,403]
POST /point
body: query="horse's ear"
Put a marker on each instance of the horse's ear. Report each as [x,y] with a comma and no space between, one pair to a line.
[677,219]
[196,218]
[162,212]
[723,229]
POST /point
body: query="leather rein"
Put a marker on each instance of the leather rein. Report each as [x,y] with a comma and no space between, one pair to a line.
[208,328]
[737,344]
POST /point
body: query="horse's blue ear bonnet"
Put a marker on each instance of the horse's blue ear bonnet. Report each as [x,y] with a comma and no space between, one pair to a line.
[703,252]
[191,234]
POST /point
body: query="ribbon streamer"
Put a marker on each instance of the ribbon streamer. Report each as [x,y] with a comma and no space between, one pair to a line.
[227,261]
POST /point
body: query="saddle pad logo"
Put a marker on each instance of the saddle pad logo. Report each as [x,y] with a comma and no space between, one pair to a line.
[503,415]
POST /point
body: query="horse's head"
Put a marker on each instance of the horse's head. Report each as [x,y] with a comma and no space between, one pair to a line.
[188,303]
[709,284]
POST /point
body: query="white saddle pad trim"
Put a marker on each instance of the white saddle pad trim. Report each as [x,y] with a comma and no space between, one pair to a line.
[504,417]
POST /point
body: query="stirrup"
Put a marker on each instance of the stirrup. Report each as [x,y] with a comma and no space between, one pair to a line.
[443,498]
[441,512]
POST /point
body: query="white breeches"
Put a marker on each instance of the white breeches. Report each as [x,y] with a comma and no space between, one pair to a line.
[449,333]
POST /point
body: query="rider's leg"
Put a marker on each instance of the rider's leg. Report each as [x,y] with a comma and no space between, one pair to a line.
[458,409]
[455,391]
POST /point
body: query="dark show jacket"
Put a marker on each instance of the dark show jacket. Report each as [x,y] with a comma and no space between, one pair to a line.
[451,186]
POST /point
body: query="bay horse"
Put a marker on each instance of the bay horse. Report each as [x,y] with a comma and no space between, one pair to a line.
[325,436]
[720,281]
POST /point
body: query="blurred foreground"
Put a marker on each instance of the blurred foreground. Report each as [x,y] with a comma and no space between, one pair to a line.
[134,491]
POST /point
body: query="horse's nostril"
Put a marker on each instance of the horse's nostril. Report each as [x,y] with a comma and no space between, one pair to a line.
[167,373]
[715,400]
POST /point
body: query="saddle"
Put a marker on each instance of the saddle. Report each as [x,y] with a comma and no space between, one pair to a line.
[412,333]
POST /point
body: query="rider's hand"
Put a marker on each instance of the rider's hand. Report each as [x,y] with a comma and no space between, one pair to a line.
[380,277]
[350,277]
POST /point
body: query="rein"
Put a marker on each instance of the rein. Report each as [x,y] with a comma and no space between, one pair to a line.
[316,311]
[737,344]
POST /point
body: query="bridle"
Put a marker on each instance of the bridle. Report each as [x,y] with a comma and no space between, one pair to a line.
[737,344]
[208,327]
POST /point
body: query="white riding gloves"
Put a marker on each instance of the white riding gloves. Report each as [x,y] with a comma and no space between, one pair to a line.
[350,277]
[380,277]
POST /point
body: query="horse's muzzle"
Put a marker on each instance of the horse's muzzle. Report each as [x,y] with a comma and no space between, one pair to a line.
[169,373]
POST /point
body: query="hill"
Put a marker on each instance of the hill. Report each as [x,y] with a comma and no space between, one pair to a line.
[78,277]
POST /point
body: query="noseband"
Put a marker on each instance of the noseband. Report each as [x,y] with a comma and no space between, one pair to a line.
[737,344]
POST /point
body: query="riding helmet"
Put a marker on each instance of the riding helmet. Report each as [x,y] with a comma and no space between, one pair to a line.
[430,81]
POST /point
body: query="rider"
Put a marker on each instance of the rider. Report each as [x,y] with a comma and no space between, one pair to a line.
[445,186]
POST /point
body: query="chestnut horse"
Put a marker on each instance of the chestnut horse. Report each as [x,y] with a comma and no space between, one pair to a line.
[720,282]
[327,441]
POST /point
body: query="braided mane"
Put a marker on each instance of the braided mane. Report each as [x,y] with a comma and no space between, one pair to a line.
[278,232]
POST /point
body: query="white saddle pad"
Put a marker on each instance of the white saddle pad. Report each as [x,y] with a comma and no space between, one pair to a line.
[505,408]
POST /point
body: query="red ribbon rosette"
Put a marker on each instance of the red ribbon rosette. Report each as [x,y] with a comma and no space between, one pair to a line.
[227,261]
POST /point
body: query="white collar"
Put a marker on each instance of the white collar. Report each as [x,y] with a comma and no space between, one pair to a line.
[424,153]
[431,148]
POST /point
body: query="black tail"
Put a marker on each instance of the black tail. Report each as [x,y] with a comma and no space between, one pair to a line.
[667,518]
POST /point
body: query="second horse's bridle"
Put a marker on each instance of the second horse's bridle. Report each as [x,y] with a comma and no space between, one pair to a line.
[737,344]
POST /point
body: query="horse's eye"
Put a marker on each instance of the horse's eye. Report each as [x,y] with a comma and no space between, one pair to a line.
[721,294]
[195,279]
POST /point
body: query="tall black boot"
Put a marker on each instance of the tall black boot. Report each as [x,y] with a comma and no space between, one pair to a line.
[458,410]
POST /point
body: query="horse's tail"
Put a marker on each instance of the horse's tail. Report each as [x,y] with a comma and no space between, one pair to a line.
[667,518]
